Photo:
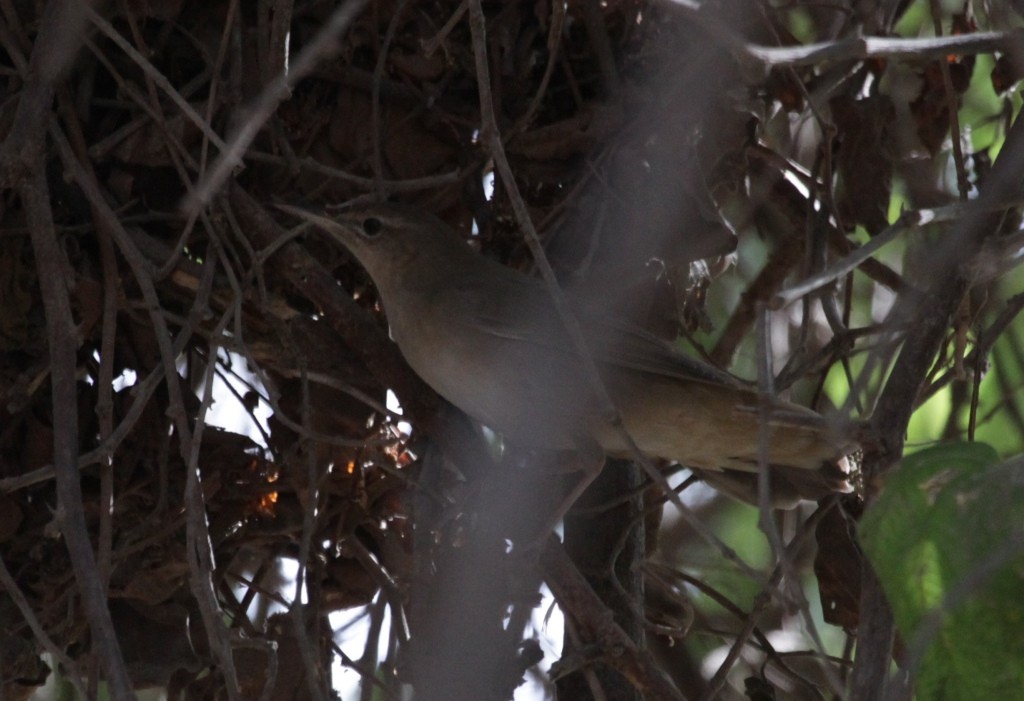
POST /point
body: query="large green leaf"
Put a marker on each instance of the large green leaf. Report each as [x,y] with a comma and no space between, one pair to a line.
[946,537]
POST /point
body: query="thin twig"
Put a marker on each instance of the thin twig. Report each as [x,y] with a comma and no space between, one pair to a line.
[73,674]
[852,48]
[491,136]
[323,46]
[963,186]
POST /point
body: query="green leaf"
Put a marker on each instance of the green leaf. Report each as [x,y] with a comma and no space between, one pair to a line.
[946,537]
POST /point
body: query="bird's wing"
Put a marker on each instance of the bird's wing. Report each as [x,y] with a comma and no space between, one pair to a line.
[520,308]
[512,312]
[509,306]
[515,307]
[617,342]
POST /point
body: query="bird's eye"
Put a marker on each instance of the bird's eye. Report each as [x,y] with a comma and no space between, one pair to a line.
[371,227]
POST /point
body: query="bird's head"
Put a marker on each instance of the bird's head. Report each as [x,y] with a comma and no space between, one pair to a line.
[396,244]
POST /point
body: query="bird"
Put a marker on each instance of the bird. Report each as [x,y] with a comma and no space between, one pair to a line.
[491,341]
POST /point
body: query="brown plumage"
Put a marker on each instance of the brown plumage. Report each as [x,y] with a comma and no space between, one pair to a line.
[489,340]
